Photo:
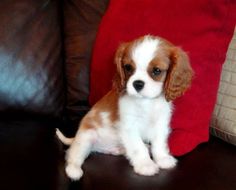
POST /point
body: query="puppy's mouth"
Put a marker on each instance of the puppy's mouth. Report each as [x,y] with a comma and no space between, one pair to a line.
[137,95]
[141,95]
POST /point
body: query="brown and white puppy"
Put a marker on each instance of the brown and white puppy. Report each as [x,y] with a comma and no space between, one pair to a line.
[151,72]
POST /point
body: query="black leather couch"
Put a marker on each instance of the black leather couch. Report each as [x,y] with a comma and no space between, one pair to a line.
[45,50]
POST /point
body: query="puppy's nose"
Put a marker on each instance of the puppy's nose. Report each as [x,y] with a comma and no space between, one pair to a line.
[138,85]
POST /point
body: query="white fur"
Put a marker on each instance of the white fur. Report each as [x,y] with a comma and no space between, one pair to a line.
[65,140]
[108,140]
[78,152]
[145,51]
[144,118]
[103,139]
[136,114]
[142,54]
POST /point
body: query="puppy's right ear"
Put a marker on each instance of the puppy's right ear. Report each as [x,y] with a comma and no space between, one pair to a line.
[119,79]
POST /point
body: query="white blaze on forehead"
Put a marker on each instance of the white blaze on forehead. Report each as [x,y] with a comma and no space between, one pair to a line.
[144,51]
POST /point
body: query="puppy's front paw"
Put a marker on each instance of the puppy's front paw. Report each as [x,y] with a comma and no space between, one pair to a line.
[74,172]
[166,162]
[147,168]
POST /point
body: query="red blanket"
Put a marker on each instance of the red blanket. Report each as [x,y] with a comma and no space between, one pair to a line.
[203,28]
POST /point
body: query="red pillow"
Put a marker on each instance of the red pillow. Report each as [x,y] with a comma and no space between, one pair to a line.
[203,28]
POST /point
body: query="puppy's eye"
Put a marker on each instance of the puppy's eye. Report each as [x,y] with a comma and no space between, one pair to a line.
[128,68]
[156,71]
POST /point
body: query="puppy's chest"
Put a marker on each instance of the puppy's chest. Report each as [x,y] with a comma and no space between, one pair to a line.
[141,115]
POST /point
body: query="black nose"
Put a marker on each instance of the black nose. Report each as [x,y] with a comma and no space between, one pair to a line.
[138,85]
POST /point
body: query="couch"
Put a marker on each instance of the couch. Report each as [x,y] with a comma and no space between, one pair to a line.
[44,84]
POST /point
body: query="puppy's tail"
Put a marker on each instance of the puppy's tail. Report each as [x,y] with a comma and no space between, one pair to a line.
[64,140]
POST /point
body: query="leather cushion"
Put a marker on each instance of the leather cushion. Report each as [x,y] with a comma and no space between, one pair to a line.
[30,156]
[210,167]
[81,19]
[31,78]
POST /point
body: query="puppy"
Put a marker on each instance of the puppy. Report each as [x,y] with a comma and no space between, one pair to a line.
[151,73]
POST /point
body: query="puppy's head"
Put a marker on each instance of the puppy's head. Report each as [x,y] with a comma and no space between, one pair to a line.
[151,66]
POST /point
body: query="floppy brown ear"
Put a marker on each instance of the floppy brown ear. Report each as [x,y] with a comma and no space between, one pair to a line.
[119,79]
[179,74]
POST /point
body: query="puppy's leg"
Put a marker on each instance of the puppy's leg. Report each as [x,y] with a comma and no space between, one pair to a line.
[108,141]
[138,154]
[160,149]
[78,152]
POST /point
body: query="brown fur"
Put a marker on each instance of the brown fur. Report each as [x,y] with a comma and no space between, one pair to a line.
[176,75]
[119,78]
[162,62]
[179,74]
[173,61]
[109,103]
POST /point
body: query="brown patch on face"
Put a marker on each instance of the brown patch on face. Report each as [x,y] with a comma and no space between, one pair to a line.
[128,66]
[157,69]
[124,65]
[171,65]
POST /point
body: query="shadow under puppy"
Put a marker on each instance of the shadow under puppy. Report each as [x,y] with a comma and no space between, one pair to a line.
[151,72]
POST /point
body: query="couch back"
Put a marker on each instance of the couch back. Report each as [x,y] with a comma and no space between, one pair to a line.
[31,67]
[45,54]
[81,21]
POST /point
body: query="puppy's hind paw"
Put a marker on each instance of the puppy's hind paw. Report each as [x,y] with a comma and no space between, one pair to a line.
[74,172]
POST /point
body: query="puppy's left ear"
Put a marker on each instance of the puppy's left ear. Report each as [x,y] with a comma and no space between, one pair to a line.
[179,74]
